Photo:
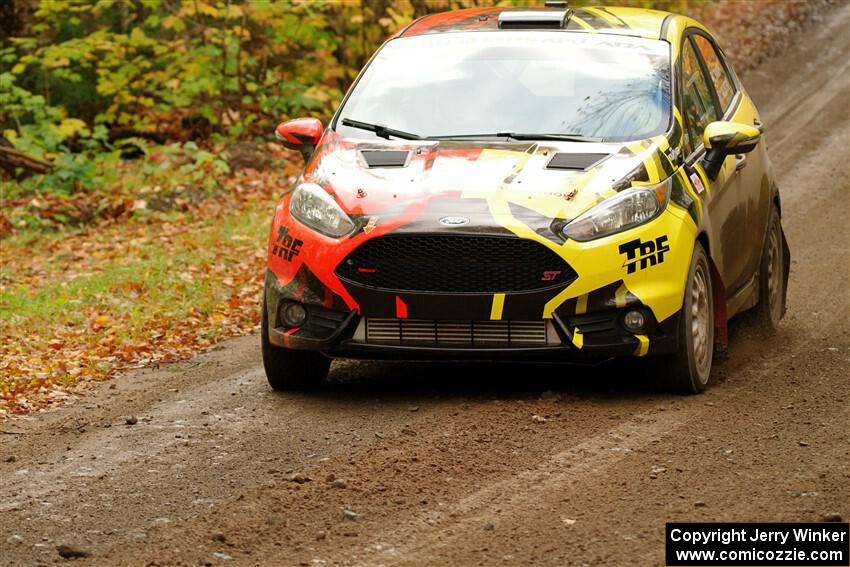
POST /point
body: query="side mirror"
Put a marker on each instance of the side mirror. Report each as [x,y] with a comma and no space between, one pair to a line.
[302,134]
[725,138]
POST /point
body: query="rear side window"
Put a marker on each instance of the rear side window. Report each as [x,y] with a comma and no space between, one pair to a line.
[699,107]
[717,71]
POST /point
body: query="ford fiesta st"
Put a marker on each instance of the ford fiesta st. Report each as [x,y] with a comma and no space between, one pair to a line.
[546,184]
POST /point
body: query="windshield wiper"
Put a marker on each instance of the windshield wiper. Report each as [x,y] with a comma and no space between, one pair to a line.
[385,132]
[464,136]
[379,130]
[550,137]
[516,136]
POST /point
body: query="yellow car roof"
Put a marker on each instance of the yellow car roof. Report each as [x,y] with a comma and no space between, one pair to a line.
[638,22]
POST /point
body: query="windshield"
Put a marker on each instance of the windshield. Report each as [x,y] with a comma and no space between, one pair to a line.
[480,83]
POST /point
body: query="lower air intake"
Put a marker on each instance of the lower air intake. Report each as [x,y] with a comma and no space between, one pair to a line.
[456,333]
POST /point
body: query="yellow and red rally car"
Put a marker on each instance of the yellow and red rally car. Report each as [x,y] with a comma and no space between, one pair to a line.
[546,184]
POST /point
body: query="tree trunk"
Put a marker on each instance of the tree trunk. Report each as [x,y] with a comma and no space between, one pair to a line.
[10,22]
[12,159]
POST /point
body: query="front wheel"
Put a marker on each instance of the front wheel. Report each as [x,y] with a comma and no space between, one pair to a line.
[289,369]
[687,371]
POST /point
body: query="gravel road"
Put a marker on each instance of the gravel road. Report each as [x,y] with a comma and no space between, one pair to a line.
[199,463]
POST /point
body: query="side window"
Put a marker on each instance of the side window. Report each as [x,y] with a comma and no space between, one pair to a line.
[698,103]
[723,84]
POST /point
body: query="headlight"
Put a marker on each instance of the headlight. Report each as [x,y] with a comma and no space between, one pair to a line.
[312,205]
[628,209]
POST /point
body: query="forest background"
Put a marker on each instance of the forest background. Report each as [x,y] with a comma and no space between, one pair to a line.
[138,173]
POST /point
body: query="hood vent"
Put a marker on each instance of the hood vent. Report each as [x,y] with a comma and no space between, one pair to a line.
[385,158]
[579,162]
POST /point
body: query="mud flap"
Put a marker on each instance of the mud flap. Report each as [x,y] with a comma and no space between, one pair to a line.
[786,268]
[721,330]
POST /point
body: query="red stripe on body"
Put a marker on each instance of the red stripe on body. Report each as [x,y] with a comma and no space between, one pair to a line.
[400,308]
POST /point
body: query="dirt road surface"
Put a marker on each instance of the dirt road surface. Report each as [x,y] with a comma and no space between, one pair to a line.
[438,464]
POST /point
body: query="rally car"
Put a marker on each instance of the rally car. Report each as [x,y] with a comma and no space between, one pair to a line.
[546,184]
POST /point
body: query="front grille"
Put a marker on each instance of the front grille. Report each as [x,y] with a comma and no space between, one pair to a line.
[455,264]
[456,333]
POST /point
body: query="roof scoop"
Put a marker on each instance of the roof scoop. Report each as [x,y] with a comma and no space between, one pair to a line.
[554,18]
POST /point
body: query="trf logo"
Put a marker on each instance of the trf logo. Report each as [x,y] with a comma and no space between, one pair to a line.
[286,246]
[646,253]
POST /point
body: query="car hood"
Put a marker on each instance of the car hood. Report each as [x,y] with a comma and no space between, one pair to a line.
[415,185]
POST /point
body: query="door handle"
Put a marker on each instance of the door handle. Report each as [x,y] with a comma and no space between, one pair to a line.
[740,162]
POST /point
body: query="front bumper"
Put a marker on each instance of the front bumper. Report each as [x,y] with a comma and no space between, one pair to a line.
[584,302]
[584,337]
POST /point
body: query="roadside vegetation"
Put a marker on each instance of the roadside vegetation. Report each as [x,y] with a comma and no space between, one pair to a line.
[137,176]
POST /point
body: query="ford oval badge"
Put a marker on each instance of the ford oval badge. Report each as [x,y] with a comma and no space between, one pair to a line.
[454,221]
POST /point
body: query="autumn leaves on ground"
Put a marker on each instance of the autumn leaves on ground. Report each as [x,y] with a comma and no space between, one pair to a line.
[145,242]
[80,304]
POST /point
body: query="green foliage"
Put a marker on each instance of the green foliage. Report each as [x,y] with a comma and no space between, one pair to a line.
[143,64]
[87,73]
[177,165]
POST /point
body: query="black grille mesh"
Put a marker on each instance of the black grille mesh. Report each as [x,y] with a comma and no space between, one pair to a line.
[455,264]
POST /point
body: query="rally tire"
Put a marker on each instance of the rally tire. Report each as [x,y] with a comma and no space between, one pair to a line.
[290,369]
[772,273]
[687,371]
